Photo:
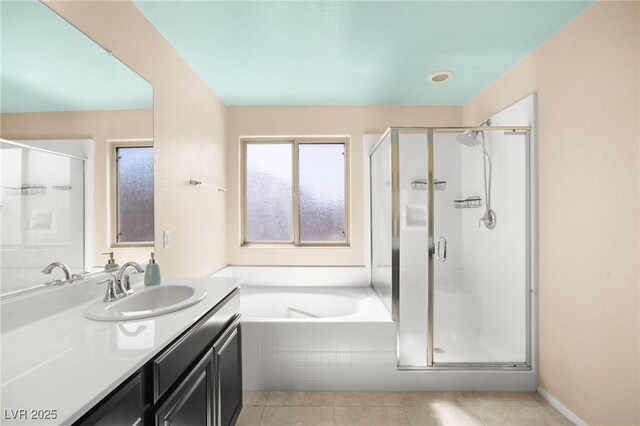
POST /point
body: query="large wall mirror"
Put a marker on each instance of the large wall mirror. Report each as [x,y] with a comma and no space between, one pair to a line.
[76,152]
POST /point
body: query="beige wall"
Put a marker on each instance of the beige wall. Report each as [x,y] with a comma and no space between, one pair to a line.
[189,134]
[352,121]
[99,126]
[587,79]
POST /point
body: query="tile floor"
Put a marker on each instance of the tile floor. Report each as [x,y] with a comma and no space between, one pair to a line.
[398,408]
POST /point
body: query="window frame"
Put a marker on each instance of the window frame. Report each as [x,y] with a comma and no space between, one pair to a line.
[113,190]
[295,142]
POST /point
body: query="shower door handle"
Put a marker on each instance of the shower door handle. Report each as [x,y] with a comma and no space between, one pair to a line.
[444,249]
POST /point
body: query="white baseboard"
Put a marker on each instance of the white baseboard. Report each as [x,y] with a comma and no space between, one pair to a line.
[560,407]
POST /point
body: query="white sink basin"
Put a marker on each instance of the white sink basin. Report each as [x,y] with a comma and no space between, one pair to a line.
[150,302]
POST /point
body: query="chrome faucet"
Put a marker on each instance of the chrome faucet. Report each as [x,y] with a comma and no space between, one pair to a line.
[54,265]
[115,289]
[122,273]
[68,276]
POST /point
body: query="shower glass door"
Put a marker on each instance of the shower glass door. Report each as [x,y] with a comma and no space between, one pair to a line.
[478,272]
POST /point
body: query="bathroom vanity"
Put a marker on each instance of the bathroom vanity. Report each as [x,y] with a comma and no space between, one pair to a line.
[179,368]
[196,380]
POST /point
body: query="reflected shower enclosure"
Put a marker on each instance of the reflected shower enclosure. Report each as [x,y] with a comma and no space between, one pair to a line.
[42,214]
[450,249]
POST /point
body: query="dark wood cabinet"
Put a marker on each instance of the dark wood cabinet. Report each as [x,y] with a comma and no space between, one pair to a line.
[123,406]
[228,368]
[195,381]
[211,394]
[190,403]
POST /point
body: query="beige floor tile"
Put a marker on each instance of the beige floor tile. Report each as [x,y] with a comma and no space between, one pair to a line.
[539,399]
[556,417]
[423,399]
[286,416]
[519,416]
[254,397]
[503,399]
[301,398]
[367,399]
[370,416]
[450,414]
[250,416]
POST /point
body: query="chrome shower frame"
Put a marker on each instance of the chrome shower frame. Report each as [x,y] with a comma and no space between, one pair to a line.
[531,242]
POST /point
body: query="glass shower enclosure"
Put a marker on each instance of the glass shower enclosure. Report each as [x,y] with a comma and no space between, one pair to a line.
[450,244]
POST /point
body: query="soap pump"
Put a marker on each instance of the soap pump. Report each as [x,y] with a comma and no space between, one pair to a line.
[111,263]
[152,273]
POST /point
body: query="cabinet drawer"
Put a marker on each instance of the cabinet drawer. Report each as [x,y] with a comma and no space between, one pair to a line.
[174,361]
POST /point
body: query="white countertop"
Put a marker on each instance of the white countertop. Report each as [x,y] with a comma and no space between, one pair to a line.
[68,363]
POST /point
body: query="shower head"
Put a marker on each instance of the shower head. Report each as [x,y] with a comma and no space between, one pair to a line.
[469,138]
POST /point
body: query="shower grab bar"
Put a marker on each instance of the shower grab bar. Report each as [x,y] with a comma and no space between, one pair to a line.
[444,256]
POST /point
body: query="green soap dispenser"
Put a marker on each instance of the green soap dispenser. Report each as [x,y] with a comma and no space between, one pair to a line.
[152,273]
[111,263]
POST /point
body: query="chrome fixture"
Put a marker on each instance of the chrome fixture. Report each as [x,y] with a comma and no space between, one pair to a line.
[68,276]
[122,273]
[115,289]
[471,202]
[196,182]
[441,257]
[54,265]
[470,139]
[422,184]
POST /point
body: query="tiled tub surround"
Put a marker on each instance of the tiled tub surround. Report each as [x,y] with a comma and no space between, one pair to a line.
[66,362]
[350,335]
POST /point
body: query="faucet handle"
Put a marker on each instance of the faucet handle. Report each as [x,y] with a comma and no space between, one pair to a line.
[109,280]
[112,290]
[80,275]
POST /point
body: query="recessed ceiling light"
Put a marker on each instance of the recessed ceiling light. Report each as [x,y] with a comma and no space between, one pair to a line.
[440,76]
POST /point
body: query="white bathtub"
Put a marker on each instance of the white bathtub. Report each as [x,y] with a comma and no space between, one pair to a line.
[314,338]
[325,304]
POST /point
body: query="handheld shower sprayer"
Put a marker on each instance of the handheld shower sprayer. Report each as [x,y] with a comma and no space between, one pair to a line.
[473,138]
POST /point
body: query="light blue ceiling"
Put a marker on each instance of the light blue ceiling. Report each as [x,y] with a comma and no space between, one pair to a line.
[361,52]
[49,65]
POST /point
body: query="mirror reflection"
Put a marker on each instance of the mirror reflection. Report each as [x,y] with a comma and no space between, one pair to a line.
[70,112]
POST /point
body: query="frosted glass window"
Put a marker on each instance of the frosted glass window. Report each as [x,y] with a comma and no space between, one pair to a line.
[321,173]
[134,194]
[295,192]
[268,193]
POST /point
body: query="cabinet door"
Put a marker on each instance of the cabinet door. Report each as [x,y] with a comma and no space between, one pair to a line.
[190,404]
[228,366]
